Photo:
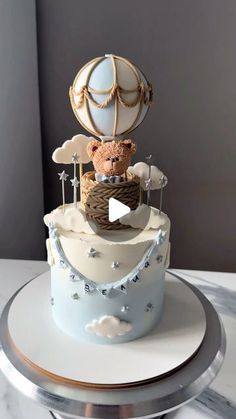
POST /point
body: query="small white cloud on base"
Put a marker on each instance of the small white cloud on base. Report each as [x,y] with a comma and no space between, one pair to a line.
[72,219]
[141,170]
[145,218]
[108,326]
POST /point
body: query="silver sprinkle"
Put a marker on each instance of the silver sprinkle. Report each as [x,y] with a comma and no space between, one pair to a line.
[159,258]
[75,296]
[92,252]
[124,309]
[62,263]
[149,308]
[115,264]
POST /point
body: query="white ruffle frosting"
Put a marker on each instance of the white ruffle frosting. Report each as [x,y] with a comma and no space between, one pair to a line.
[72,219]
[145,218]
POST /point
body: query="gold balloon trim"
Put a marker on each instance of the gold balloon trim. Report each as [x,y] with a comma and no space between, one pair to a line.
[85,93]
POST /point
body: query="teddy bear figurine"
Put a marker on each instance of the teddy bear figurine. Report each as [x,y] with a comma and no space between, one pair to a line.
[111,159]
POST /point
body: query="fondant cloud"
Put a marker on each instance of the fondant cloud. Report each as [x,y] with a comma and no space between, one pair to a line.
[145,218]
[78,144]
[141,170]
[108,326]
[72,219]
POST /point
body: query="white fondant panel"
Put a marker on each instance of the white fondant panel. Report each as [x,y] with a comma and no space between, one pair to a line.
[126,77]
[127,253]
[177,337]
[101,77]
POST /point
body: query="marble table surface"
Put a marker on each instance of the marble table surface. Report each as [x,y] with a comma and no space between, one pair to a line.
[217,402]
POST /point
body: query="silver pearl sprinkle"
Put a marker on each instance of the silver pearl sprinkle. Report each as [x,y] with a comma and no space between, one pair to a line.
[62,263]
[92,252]
[115,264]
[75,296]
[149,308]
[52,301]
[124,309]
[159,258]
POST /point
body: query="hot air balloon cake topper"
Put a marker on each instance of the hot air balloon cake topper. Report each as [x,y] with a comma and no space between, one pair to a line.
[110,96]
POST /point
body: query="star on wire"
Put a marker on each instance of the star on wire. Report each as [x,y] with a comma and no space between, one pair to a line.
[63,175]
[75,158]
[75,182]
[163,181]
[148,183]
[149,159]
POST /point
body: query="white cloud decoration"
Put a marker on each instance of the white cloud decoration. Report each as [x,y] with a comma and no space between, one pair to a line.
[72,219]
[108,326]
[145,217]
[78,144]
[141,170]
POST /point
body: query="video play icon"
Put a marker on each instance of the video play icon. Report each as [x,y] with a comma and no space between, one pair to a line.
[116,209]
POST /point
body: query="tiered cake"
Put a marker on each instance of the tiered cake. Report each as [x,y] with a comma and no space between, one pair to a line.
[108,252]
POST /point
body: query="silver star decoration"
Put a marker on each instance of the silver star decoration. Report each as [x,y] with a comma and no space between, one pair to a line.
[75,182]
[52,301]
[124,309]
[159,258]
[163,181]
[148,183]
[149,308]
[115,264]
[92,252]
[63,175]
[75,158]
[75,296]
[149,159]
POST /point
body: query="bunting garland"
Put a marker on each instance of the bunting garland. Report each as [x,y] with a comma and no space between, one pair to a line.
[104,289]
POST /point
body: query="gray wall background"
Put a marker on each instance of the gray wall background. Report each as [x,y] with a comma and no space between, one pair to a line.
[22,233]
[187,50]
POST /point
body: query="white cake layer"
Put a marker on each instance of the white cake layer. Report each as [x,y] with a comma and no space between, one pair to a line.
[110,248]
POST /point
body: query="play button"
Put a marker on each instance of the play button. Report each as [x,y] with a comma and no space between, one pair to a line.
[116,209]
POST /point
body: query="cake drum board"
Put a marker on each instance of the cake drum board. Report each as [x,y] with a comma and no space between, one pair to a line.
[152,399]
[40,343]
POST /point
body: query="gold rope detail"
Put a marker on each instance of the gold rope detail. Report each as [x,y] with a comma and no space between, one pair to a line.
[144,94]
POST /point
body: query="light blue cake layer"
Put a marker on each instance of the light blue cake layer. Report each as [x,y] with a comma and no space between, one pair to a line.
[99,310]
[73,309]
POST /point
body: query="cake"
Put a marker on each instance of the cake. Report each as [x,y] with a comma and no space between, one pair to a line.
[108,251]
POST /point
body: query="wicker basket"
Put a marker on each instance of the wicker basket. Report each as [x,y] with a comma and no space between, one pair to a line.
[95,197]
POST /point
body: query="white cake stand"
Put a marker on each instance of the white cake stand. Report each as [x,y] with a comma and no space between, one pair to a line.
[155,374]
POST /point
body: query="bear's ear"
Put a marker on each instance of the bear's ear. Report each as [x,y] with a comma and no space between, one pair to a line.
[92,147]
[130,145]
